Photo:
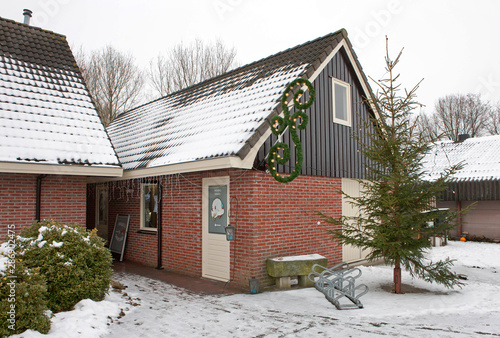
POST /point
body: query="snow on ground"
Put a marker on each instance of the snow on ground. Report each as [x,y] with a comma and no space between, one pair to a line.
[155,309]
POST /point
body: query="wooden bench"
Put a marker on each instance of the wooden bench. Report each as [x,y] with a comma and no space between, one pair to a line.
[283,268]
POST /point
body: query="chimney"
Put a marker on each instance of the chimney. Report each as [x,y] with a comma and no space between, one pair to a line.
[27,15]
[462,137]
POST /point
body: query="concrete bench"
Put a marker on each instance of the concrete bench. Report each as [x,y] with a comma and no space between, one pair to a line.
[283,268]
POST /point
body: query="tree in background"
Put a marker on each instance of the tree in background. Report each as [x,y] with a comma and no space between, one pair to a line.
[459,114]
[186,65]
[391,224]
[113,79]
[426,127]
[493,125]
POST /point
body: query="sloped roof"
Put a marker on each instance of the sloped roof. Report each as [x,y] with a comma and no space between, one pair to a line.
[220,117]
[480,155]
[46,113]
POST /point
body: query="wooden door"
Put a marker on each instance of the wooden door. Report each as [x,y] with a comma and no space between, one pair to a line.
[215,211]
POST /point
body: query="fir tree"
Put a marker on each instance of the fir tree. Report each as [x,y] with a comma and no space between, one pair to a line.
[391,222]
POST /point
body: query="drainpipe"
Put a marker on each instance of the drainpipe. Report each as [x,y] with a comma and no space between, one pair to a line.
[459,209]
[38,196]
[159,230]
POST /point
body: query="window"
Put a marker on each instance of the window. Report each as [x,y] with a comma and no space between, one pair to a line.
[102,205]
[341,102]
[149,206]
[102,211]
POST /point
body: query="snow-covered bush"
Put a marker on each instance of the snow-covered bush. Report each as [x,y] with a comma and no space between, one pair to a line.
[22,295]
[74,262]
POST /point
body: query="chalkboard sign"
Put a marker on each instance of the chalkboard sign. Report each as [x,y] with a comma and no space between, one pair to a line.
[119,237]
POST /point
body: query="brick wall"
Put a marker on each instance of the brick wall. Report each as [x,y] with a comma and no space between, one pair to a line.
[280,219]
[273,220]
[63,199]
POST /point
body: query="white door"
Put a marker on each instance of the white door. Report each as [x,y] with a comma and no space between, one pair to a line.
[352,188]
[215,211]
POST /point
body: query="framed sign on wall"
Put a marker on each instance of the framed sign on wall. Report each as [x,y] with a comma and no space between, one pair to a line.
[217,202]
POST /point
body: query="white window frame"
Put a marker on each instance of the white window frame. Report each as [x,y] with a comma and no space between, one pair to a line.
[347,86]
[143,226]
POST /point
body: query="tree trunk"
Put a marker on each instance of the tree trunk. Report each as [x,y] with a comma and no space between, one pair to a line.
[397,277]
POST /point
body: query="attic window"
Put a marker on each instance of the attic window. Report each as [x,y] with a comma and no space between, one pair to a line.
[341,102]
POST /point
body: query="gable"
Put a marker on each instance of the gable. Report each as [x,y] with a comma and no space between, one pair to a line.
[329,148]
[47,118]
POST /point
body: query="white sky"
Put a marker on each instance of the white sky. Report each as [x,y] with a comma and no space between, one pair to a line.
[453,45]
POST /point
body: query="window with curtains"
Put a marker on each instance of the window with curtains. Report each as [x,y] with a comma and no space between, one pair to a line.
[150,200]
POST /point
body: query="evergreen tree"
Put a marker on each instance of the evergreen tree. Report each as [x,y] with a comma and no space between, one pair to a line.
[391,222]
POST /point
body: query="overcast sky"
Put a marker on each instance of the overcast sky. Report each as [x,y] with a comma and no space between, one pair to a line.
[453,45]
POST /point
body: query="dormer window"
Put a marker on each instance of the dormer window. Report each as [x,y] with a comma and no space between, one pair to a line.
[341,102]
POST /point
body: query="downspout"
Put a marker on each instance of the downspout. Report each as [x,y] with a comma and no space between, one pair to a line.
[38,196]
[159,230]
[459,209]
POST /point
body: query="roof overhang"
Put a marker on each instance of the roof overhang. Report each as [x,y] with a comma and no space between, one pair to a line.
[54,169]
[228,162]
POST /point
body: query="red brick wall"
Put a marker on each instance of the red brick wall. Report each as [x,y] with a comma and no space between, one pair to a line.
[277,219]
[181,221]
[63,199]
[273,220]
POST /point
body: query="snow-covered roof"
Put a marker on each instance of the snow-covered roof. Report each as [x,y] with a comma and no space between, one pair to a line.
[220,117]
[480,155]
[46,113]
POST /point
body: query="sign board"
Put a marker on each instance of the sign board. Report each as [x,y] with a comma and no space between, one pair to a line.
[217,205]
[119,237]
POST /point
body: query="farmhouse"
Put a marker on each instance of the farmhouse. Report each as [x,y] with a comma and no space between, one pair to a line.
[195,161]
[51,138]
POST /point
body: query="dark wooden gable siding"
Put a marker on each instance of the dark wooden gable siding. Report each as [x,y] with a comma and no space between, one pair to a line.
[329,148]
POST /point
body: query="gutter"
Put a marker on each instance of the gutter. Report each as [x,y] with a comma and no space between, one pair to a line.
[38,196]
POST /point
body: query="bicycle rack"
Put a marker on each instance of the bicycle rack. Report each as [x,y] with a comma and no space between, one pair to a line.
[339,282]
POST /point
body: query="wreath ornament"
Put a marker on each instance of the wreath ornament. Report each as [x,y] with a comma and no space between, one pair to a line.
[280,152]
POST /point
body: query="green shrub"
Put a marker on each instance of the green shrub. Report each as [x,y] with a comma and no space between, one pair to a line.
[74,262]
[22,296]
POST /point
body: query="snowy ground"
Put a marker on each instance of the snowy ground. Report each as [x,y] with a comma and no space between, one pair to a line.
[154,309]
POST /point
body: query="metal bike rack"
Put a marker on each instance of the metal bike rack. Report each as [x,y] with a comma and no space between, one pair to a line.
[338,283]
